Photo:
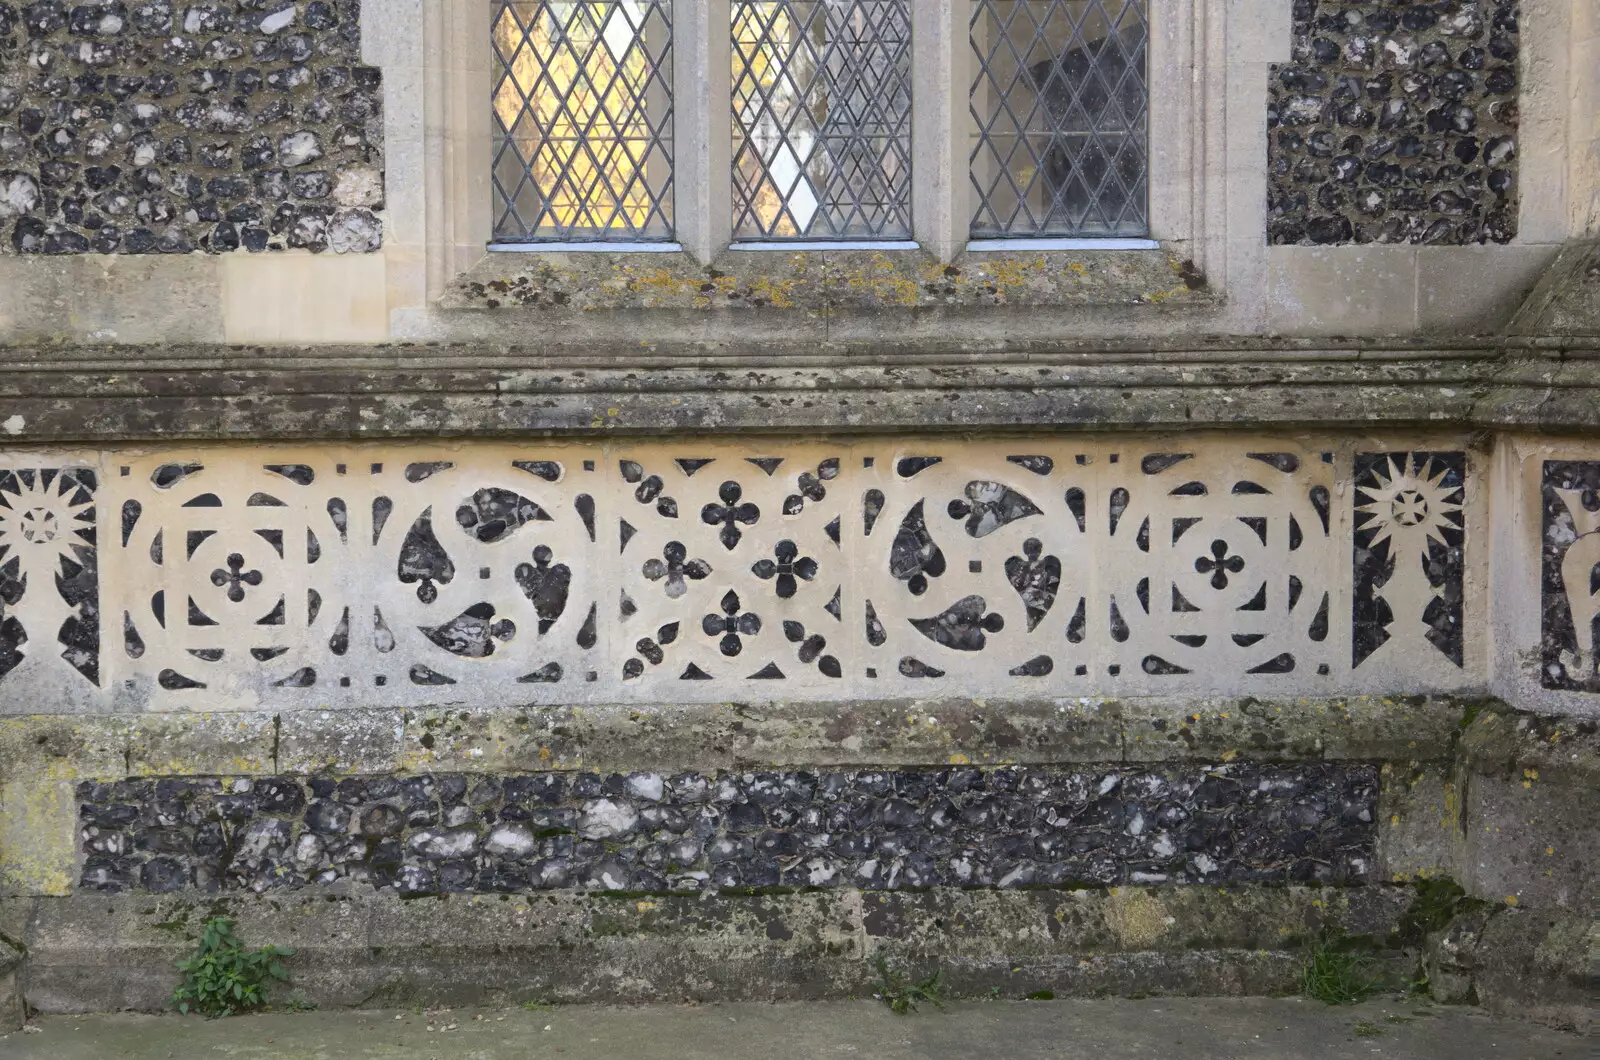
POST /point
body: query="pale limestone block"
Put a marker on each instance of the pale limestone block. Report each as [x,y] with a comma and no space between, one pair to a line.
[1420,832]
[303,297]
[1475,290]
[1258,31]
[1547,79]
[226,744]
[1367,290]
[343,741]
[110,298]
[44,747]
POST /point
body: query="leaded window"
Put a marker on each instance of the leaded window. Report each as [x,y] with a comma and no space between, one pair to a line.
[583,120]
[822,119]
[1058,134]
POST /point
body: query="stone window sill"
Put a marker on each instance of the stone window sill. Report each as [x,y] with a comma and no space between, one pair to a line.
[826,280]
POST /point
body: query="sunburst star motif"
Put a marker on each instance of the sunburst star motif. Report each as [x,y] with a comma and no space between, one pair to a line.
[44,518]
[1412,505]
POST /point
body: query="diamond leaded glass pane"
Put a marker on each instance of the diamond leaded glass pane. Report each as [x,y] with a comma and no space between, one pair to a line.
[1059,107]
[583,120]
[822,119]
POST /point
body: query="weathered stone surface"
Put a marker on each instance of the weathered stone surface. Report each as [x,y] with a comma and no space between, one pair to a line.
[12,1009]
[1531,965]
[69,394]
[1533,795]
[163,129]
[1420,831]
[1203,1028]
[1534,842]
[1450,957]
[1566,300]
[881,830]
[1395,124]
[95,952]
[825,281]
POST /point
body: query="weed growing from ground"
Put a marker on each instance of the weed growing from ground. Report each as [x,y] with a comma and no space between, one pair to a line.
[895,989]
[1336,976]
[223,977]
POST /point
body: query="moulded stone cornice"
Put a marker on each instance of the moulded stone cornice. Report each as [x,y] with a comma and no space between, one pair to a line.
[59,395]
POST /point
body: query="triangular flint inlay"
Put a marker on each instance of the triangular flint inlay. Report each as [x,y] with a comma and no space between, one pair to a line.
[769,464]
[692,464]
[694,673]
[769,672]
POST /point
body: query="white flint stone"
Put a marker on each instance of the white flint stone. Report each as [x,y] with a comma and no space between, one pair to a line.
[444,842]
[355,232]
[278,20]
[605,818]
[19,193]
[359,186]
[297,149]
[647,786]
[514,839]
[308,851]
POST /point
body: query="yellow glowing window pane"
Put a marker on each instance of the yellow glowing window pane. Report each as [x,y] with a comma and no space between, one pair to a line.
[583,109]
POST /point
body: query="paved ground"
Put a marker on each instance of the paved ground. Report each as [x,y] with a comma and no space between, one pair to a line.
[1190,1029]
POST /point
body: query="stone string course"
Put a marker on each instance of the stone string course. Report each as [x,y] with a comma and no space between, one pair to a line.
[875,829]
[1395,122]
[157,127]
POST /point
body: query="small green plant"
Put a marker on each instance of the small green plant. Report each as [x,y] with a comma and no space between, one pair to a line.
[1335,975]
[1364,1029]
[1438,900]
[223,977]
[895,989]
[298,1004]
[1042,995]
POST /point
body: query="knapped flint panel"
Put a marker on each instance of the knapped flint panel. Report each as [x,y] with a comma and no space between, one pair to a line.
[877,829]
[155,127]
[1395,123]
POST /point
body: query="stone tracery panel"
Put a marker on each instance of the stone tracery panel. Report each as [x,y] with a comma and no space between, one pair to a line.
[1570,581]
[49,576]
[702,570]
[389,579]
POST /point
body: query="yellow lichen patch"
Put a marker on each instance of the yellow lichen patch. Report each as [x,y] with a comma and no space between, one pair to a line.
[657,285]
[1137,917]
[776,293]
[38,855]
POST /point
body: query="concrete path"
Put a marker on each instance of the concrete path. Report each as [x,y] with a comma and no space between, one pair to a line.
[1190,1029]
